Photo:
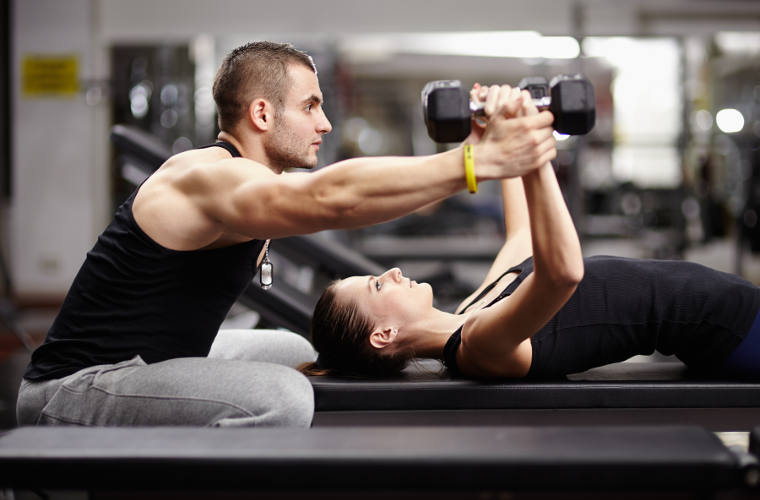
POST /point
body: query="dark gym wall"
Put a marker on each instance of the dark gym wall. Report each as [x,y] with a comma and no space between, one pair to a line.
[5,100]
[153,89]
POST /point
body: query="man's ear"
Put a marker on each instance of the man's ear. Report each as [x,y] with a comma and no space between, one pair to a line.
[261,114]
[383,337]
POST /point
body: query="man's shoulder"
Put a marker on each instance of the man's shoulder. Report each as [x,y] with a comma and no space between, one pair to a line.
[211,159]
[198,156]
[197,174]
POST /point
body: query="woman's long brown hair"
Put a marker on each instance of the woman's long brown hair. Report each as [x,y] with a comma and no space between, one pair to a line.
[340,334]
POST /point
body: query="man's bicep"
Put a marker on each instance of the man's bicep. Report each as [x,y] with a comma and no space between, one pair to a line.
[274,207]
[261,204]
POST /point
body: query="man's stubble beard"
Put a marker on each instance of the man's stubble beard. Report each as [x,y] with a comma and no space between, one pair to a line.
[284,150]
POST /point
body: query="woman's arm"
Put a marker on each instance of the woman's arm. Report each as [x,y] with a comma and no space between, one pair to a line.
[493,339]
[517,246]
[517,243]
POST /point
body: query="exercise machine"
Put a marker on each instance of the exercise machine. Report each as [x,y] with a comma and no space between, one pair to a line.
[430,462]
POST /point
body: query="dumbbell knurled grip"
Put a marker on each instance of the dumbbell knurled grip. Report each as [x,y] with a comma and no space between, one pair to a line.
[478,108]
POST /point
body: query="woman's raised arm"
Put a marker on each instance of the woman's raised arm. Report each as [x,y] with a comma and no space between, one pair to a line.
[493,339]
[517,242]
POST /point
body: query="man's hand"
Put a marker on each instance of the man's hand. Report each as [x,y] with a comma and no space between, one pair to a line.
[516,138]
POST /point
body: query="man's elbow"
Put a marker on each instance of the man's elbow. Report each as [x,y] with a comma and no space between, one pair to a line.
[335,208]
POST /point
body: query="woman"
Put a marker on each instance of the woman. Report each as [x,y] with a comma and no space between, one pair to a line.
[536,314]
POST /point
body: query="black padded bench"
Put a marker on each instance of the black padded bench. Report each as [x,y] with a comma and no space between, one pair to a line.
[450,460]
[630,393]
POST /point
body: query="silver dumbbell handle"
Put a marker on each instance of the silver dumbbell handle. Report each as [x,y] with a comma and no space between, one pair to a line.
[478,108]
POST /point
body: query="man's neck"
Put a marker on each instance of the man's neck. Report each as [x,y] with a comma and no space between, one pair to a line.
[250,149]
[227,137]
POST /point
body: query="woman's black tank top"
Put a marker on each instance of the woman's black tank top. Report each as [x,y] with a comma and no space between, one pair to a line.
[134,297]
[624,307]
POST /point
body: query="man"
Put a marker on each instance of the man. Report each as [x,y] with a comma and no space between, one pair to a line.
[129,345]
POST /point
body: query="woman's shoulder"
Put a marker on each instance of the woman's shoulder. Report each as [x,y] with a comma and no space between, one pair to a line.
[494,363]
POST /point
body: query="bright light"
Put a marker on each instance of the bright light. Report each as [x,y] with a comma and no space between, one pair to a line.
[738,42]
[520,44]
[640,65]
[561,137]
[729,120]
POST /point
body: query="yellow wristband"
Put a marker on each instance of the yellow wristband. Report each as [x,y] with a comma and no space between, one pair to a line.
[469,169]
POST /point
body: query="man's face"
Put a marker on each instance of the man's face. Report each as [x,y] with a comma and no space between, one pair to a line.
[300,123]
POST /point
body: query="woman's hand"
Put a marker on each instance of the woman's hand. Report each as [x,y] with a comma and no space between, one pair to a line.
[492,97]
[516,136]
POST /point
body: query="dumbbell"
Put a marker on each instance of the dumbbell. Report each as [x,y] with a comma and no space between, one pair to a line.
[448,111]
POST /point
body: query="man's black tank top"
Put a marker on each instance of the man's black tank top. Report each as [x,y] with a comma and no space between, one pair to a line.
[624,307]
[134,297]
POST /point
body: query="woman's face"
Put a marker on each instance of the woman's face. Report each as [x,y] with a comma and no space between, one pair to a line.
[390,299]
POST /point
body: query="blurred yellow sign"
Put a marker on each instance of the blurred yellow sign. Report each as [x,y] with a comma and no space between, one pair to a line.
[50,75]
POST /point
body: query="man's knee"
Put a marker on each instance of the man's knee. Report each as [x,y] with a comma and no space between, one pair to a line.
[272,346]
[282,398]
[297,400]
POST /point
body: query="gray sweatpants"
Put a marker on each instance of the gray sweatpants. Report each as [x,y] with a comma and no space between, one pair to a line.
[247,380]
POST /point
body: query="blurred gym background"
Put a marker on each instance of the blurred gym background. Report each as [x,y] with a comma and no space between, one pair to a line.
[671,170]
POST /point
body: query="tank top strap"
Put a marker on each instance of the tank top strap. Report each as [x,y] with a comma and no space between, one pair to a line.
[455,340]
[523,270]
[450,352]
[231,149]
[514,269]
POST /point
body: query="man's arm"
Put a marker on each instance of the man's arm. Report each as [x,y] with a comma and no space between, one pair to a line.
[248,199]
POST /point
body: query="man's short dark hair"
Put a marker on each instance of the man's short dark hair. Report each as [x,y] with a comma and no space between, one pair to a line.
[256,69]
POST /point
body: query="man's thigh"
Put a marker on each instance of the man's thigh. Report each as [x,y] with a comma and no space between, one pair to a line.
[273,346]
[182,391]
